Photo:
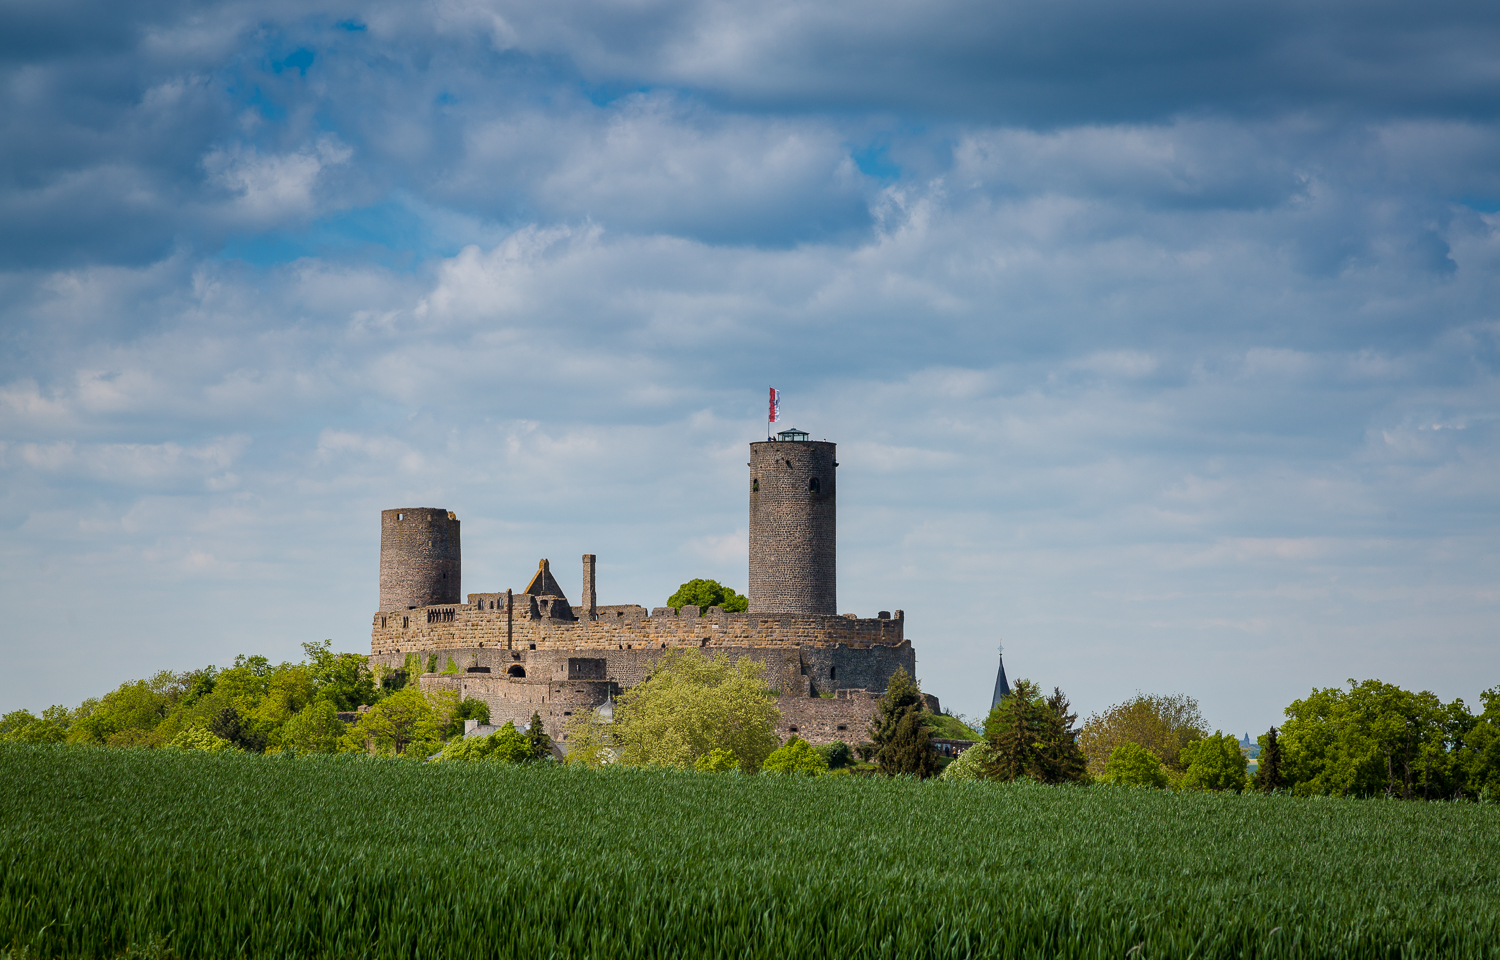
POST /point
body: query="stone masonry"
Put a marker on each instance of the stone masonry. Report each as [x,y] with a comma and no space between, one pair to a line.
[532,652]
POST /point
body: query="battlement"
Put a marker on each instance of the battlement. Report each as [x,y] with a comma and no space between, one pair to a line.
[485,621]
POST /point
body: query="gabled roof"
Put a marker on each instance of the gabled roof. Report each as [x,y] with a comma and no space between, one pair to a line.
[543,584]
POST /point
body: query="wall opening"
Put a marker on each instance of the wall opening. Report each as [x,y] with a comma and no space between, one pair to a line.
[400,516]
[793,729]
[516,670]
[812,485]
[833,673]
[405,622]
[755,484]
[843,726]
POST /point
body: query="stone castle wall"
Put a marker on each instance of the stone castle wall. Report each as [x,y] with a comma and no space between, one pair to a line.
[793,528]
[485,623]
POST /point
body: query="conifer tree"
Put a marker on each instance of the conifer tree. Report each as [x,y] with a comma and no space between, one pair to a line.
[1033,736]
[1268,772]
[541,744]
[903,744]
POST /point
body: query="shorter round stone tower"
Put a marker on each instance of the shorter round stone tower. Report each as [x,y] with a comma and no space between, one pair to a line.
[793,526]
[419,558]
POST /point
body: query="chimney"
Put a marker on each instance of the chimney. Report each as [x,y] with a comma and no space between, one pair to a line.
[590,598]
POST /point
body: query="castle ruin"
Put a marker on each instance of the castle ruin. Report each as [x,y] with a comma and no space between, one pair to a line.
[534,652]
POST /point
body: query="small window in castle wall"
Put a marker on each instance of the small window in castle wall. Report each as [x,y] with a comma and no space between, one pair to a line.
[533,646]
[793,729]
[755,484]
[813,485]
[382,623]
[833,673]
[843,726]
[400,516]
[405,622]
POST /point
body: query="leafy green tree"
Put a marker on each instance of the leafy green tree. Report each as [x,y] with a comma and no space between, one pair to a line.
[541,744]
[470,708]
[1375,738]
[22,726]
[689,704]
[400,720]
[795,756]
[590,740]
[902,749]
[1033,736]
[316,728]
[1132,765]
[719,760]
[971,764]
[708,593]
[1214,763]
[1163,724]
[343,679]
[506,745]
[1268,773]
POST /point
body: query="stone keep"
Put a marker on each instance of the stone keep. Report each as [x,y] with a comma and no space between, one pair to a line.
[793,548]
[420,560]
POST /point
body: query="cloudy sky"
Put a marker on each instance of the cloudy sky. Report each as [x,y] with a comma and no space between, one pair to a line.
[1161,340]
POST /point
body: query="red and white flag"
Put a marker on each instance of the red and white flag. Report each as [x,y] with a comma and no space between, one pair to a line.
[775,413]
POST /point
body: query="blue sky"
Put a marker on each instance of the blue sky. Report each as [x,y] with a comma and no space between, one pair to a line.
[1160,340]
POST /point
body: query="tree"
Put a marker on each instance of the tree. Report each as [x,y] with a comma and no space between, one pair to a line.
[1214,763]
[1268,773]
[1132,765]
[316,728]
[1375,738]
[541,744]
[506,745]
[971,764]
[902,747]
[688,705]
[23,726]
[391,726]
[590,740]
[707,593]
[909,751]
[1161,724]
[470,708]
[1033,736]
[796,756]
[343,679]
[228,725]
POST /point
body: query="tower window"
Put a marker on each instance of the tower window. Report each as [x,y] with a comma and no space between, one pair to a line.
[813,484]
[405,622]
[833,673]
[755,484]
[400,516]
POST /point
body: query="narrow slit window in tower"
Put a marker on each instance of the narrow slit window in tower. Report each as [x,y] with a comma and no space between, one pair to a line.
[812,485]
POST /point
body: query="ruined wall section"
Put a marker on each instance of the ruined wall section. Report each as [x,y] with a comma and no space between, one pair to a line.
[793,528]
[484,623]
[420,561]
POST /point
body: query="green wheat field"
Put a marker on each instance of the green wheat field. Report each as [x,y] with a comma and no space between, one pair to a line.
[105,853]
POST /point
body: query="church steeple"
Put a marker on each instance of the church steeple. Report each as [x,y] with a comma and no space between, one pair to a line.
[1002,686]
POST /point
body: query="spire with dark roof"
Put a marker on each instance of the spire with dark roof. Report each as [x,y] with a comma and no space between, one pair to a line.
[1002,686]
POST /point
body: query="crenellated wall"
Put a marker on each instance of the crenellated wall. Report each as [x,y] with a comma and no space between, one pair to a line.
[485,623]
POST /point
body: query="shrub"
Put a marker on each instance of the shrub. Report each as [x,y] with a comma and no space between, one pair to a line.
[971,764]
[795,756]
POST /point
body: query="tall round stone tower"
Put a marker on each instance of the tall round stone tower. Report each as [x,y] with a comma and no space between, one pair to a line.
[419,558]
[793,533]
